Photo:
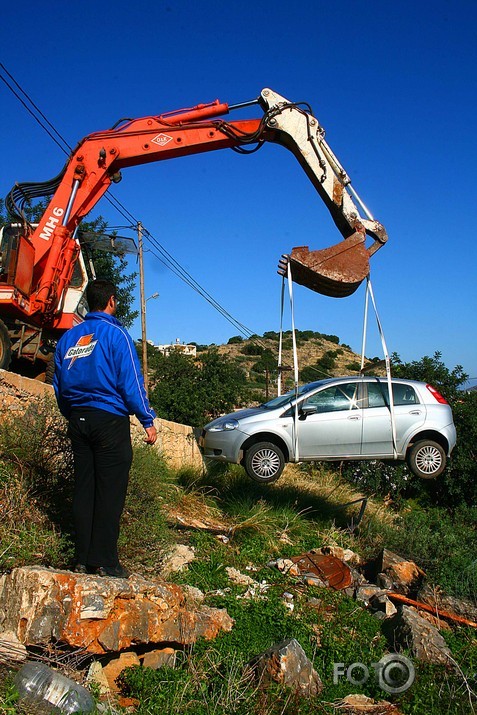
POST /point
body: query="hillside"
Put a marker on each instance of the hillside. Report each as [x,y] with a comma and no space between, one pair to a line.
[319,356]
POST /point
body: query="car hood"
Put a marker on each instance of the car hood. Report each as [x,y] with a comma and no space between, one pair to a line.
[239,415]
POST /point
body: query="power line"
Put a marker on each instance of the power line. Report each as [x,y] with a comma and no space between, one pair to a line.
[66,150]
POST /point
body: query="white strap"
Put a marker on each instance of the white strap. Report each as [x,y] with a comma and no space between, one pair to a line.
[388,365]
[280,341]
[365,326]
[295,360]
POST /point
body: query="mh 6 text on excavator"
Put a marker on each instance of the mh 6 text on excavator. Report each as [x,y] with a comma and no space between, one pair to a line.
[42,269]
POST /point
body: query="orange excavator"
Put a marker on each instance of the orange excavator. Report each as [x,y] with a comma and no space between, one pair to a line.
[42,268]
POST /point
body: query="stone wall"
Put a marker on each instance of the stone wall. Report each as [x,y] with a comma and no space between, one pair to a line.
[176,442]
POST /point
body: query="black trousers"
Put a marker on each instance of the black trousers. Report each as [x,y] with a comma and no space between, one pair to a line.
[102,452]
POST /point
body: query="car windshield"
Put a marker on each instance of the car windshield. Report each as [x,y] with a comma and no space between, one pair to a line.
[283,400]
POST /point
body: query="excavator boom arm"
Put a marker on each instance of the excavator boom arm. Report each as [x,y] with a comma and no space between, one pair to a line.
[99,158]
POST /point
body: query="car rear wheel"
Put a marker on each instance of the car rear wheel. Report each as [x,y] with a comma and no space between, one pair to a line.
[427,459]
[264,462]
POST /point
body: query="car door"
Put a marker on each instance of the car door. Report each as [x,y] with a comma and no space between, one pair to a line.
[334,430]
[409,414]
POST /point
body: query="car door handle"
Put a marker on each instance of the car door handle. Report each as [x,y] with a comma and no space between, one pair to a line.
[354,417]
[415,412]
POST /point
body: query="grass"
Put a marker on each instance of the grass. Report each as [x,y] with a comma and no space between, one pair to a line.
[233,522]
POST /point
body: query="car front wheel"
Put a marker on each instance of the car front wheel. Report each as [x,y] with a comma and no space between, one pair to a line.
[264,462]
[427,459]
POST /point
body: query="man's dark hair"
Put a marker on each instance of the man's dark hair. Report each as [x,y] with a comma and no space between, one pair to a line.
[98,293]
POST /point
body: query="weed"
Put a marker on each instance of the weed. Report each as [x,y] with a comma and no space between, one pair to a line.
[144,530]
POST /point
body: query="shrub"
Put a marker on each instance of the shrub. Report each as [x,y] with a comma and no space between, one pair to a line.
[35,487]
[331,338]
[252,349]
[458,484]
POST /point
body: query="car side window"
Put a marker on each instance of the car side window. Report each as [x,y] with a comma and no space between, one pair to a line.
[336,398]
[402,394]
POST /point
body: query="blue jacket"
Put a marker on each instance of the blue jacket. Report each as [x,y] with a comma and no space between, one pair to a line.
[96,365]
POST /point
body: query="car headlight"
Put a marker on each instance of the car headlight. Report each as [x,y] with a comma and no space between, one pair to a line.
[224,425]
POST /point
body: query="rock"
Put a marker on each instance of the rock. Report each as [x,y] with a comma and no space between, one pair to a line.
[384,581]
[358,704]
[114,668]
[407,629]
[157,658]
[286,663]
[374,598]
[193,595]
[11,649]
[440,624]
[101,614]
[357,580]
[434,597]
[238,578]
[285,566]
[367,591]
[380,603]
[310,579]
[346,555]
[404,575]
[177,559]
[97,677]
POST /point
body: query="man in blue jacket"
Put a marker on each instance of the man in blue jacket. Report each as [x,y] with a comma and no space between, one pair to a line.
[98,384]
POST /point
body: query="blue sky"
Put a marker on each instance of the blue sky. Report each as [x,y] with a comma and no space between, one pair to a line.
[394,85]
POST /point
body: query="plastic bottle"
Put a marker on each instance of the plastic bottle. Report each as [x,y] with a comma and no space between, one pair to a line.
[50,691]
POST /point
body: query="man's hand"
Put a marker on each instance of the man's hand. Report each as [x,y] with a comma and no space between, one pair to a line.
[151,434]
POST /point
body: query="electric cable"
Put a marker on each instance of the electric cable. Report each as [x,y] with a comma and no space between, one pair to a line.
[29,99]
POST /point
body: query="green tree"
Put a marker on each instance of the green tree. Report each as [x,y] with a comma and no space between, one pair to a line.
[252,349]
[194,392]
[267,361]
[222,383]
[175,395]
[115,268]
[458,484]
[432,370]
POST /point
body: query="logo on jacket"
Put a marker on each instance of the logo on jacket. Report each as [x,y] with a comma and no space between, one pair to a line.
[83,348]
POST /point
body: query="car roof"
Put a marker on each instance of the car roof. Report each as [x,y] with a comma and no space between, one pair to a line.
[361,378]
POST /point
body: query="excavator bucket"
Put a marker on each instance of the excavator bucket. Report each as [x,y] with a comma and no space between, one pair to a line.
[336,271]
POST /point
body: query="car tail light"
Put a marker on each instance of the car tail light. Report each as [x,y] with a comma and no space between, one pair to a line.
[437,395]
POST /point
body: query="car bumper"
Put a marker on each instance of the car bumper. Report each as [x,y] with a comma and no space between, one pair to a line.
[222,446]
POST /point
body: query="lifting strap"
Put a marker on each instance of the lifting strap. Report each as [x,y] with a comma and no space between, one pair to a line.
[295,354]
[369,292]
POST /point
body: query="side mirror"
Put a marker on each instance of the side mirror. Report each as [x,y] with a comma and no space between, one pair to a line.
[308,409]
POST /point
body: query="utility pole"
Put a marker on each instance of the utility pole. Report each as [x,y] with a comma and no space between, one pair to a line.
[143,305]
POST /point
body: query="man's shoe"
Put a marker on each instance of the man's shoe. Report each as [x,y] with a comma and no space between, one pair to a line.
[113,571]
[80,568]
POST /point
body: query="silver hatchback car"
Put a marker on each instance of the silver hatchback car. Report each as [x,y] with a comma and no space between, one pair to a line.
[344,418]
